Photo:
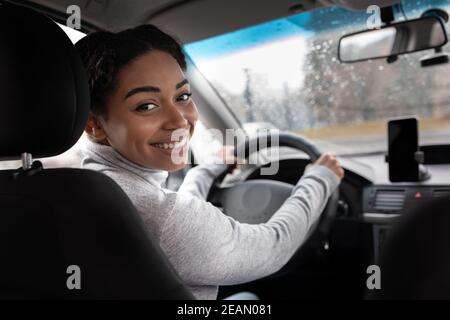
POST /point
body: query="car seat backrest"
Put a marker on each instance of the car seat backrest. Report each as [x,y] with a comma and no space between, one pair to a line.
[415,260]
[64,233]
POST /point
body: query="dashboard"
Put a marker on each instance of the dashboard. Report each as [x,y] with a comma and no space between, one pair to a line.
[382,199]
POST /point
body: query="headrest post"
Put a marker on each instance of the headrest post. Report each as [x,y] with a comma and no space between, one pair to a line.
[27,161]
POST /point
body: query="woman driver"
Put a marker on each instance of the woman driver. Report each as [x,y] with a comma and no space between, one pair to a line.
[139,97]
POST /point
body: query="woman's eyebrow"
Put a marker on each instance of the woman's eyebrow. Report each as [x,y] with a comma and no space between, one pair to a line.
[182,83]
[153,89]
[142,89]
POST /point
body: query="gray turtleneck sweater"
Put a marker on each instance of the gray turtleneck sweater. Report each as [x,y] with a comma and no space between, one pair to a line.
[206,247]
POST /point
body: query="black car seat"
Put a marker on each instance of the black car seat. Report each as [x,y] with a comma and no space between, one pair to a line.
[57,224]
[415,260]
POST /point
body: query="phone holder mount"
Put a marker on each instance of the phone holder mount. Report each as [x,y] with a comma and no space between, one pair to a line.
[423,171]
[419,156]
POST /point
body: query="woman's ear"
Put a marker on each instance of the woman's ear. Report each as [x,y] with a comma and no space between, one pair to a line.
[94,128]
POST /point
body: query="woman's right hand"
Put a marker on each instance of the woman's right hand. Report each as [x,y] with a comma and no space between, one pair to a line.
[329,160]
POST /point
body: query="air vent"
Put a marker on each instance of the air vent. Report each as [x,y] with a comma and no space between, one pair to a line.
[389,200]
[438,193]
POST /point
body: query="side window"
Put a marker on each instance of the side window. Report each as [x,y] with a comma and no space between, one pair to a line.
[74,35]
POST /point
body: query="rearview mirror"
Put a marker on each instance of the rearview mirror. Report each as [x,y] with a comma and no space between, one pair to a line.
[394,39]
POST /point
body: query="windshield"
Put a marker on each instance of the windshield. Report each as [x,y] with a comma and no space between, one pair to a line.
[286,74]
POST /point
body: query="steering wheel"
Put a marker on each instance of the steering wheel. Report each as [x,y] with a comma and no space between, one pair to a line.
[255,201]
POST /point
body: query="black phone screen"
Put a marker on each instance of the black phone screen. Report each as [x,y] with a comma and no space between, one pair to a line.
[403,144]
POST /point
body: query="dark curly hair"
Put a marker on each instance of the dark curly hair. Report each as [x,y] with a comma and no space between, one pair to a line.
[105,53]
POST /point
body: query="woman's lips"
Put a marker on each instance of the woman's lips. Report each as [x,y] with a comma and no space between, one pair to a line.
[175,150]
[171,145]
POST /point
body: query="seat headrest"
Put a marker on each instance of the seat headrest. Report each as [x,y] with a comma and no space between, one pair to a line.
[44,93]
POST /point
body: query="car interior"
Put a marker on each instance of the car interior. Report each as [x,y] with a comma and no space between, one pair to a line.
[318,71]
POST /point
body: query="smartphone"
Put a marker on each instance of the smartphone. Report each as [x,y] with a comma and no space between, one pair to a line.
[403,144]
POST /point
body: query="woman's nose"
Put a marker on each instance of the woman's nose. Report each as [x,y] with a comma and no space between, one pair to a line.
[175,118]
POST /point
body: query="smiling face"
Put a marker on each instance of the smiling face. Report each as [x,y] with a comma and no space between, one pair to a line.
[150,114]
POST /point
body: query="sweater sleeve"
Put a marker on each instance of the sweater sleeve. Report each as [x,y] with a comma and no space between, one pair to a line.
[209,248]
[199,179]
